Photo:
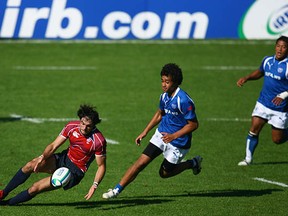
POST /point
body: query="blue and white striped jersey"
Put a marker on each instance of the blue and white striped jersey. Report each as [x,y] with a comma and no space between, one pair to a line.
[178,109]
[275,81]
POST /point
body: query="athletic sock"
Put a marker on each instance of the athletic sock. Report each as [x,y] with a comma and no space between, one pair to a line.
[24,196]
[118,188]
[193,162]
[18,179]
[251,144]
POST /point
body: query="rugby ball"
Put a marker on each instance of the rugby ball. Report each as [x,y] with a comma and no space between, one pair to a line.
[61,177]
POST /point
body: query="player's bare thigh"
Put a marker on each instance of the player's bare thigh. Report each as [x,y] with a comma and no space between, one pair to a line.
[47,166]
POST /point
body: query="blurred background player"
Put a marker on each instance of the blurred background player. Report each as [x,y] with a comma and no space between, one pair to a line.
[86,144]
[177,120]
[272,105]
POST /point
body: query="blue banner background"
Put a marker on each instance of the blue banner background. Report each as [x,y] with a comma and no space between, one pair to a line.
[223,16]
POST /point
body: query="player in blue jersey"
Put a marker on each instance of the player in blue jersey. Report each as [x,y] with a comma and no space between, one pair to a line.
[272,104]
[177,120]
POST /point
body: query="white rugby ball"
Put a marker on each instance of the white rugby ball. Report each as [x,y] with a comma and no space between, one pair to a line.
[61,177]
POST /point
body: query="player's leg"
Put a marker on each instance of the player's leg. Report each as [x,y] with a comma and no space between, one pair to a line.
[173,163]
[279,136]
[168,169]
[26,195]
[24,173]
[252,139]
[149,154]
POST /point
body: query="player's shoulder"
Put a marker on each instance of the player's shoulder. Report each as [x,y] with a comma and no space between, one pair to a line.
[182,93]
[185,98]
[268,58]
[99,135]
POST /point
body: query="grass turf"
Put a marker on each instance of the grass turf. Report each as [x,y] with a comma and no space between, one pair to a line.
[122,80]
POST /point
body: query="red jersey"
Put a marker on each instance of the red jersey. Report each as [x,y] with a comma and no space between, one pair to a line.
[81,147]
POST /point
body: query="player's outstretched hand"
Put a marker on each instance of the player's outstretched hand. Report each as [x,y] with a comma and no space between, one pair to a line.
[241,81]
[139,138]
[90,192]
[37,160]
[277,101]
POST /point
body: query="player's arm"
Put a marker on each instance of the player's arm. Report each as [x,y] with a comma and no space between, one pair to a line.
[153,122]
[280,98]
[255,75]
[49,150]
[191,126]
[101,163]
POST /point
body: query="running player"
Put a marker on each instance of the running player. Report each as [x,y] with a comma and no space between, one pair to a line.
[272,105]
[177,120]
[86,144]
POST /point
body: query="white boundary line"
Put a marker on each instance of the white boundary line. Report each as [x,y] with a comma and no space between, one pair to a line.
[270,182]
[42,120]
[81,68]
[228,119]
[228,68]
[51,68]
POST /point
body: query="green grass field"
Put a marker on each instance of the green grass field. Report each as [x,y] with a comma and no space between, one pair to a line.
[50,80]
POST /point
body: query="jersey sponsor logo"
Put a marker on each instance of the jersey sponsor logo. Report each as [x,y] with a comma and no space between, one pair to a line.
[272,22]
[167,111]
[269,74]
[76,134]
[88,140]
[280,70]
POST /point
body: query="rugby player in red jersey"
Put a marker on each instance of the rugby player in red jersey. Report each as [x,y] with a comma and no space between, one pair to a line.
[86,144]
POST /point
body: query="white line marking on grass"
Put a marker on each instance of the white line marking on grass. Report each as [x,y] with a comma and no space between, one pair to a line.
[53,68]
[228,119]
[112,141]
[41,120]
[228,68]
[271,182]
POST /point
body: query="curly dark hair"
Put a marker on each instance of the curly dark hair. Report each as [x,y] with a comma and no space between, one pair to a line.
[90,112]
[282,38]
[174,71]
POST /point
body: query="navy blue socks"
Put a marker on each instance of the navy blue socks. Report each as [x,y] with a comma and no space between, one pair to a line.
[18,179]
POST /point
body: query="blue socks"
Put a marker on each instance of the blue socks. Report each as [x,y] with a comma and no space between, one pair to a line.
[118,188]
[18,179]
[251,144]
[24,196]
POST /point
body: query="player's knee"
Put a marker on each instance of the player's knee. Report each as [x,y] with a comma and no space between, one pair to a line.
[279,140]
[28,167]
[34,189]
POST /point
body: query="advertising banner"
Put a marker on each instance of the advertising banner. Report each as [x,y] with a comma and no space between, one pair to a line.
[142,19]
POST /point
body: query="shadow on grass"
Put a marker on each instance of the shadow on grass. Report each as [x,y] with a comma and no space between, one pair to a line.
[106,204]
[222,193]
[156,199]
[8,119]
[233,193]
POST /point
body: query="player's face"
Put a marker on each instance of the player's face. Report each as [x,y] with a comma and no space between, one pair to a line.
[281,50]
[86,125]
[167,84]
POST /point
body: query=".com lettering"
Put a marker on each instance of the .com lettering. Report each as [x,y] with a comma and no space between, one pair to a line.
[61,22]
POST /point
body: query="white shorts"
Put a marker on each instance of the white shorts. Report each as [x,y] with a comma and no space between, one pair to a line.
[171,153]
[274,118]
